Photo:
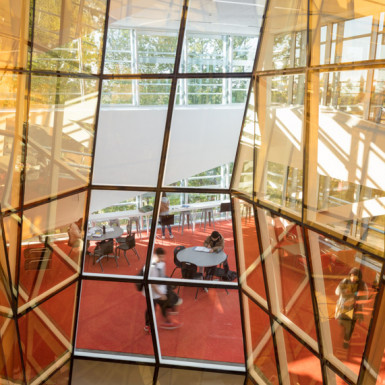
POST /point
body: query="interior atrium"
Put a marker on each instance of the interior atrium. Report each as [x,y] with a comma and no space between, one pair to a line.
[260,120]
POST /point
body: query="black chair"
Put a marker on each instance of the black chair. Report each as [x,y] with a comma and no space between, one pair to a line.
[125,244]
[176,261]
[190,271]
[225,208]
[222,273]
[104,249]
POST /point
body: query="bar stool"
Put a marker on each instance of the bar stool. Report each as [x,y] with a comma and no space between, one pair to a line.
[135,220]
[208,214]
[186,217]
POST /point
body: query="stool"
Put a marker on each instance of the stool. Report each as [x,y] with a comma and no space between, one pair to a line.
[135,220]
[186,216]
[207,214]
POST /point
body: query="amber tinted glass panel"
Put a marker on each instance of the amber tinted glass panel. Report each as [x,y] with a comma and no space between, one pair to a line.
[169,376]
[333,378]
[99,373]
[243,171]
[47,260]
[205,130]
[131,125]
[221,36]
[68,35]
[12,115]
[297,363]
[346,31]
[14,33]
[10,357]
[346,189]
[142,36]
[250,264]
[287,273]
[284,39]
[118,231]
[111,319]
[51,328]
[345,300]
[60,377]
[60,135]
[260,349]
[279,140]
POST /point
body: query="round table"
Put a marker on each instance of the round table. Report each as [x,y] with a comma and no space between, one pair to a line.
[201,258]
[108,235]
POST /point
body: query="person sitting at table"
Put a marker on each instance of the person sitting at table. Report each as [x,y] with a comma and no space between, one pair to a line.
[164,210]
[216,244]
[75,238]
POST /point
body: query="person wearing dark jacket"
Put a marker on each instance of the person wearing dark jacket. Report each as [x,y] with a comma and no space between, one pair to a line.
[351,291]
[216,244]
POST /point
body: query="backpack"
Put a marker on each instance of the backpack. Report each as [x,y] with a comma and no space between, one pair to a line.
[139,284]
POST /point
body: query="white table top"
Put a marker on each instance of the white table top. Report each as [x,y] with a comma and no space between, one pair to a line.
[108,235]
[201,258]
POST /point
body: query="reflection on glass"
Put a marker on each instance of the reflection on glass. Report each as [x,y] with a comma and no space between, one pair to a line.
[187,221]
[287,274]
[260,349]
[346,283]
[116,328]
[142,36]
[284,47]
[60,135]
[48,261]
[221,36]
[68,35]
[169,376]
[248,248]
[51,325]
[279,140]
[14,32]
[243,173]
[207,327]
[346,162]
[118,231]
[131,125]
[12,107]
[298,365]
[347,34]
[205,132]
[100,373]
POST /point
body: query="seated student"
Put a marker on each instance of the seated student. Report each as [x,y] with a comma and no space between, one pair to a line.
[216,244]
[161,294]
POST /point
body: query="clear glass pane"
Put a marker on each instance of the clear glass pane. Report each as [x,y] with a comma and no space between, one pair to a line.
[221,36]
[14,33]
[48,260]
[346,165]
[12,117]
[261,361]
[356,36]
[279,140]
[118,231]
[250,264]
[130,131]
[111,319]
[204,133]
[209,324]
[87,372]
[142,36]
[51,326]
[284,40]
[169,376]
[243,172]
[68,35]
[297,363]
[60,135]
[287,274]
[346,283]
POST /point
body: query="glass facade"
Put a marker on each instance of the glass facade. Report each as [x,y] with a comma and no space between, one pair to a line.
[192,192]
